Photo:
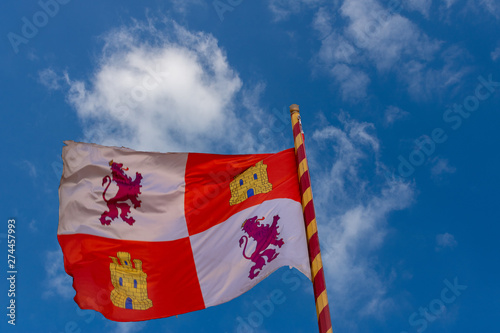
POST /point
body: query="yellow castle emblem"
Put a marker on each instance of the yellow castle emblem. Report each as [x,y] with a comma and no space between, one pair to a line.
[252,181]
[130,284]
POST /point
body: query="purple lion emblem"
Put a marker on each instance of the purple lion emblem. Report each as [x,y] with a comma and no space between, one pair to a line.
[128,189]
[265,236]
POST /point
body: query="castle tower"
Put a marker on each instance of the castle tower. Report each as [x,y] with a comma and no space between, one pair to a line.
[251,182]
[129,282]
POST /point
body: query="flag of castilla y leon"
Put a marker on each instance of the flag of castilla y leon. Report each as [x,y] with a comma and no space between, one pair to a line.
[148,235]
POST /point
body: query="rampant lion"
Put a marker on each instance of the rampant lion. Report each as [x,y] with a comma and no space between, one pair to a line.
[264,235]
[127,189]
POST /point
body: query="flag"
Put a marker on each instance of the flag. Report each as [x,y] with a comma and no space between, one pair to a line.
[148,235]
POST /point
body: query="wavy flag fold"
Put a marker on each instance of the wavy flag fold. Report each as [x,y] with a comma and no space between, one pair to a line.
[148,235]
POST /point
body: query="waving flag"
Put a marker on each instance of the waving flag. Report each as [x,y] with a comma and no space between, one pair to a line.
[149,235]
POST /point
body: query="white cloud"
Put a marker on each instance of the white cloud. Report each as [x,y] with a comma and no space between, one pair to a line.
[163,89]
[57,283]
[445,240]
[386,37]
[356,202]
[392,114]
[372,35]
[369,33]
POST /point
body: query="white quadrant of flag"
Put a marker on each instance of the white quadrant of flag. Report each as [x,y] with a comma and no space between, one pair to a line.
[224,272]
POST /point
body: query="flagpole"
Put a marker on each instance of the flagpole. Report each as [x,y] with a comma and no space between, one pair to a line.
[318,276]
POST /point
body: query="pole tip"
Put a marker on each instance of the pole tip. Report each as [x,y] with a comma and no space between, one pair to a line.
[294,108]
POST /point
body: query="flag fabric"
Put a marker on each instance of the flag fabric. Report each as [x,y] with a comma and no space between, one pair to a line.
[148,235]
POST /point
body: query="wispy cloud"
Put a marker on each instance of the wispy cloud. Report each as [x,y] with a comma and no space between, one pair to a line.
[30,167]
[130,327]
[182,6]
[388,37]
[449,3]
[340,57]
[354,207]
[422,6]
[57,282]
[33,226]
[50,79]
[492,6]
[392,114]
[444,241]
[495,54]
[441,166]
[353,82]
[282,9]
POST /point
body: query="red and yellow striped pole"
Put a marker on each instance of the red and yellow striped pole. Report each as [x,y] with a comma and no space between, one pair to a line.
[318,276]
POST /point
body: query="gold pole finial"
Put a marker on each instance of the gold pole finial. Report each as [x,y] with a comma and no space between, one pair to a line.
[294,108]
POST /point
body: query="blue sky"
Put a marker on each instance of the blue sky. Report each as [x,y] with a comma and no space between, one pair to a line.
[400,107]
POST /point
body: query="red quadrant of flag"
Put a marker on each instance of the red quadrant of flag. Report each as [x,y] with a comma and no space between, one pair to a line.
[172,281]
[208,192]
